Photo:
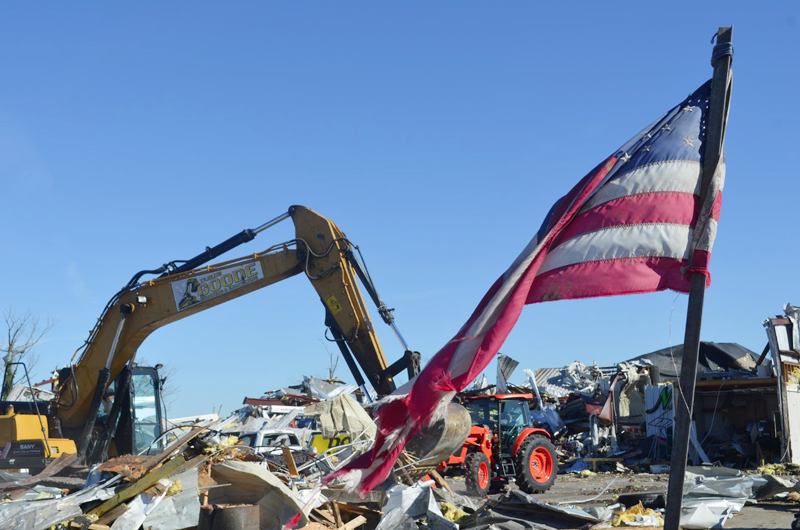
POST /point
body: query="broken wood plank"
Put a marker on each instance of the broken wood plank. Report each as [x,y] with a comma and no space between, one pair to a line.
[190,464]
[315,517]
[441,481]
[359,510]
[113,515]
[291,466]
[324,516]
[355,523]
[139,486]
[337,514]
[92,526]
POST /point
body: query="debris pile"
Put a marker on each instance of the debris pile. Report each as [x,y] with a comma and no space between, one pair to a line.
[263,466]
[619,418]
[204,477]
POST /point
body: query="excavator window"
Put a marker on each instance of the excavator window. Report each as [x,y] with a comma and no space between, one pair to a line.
[146,409]
[107,403]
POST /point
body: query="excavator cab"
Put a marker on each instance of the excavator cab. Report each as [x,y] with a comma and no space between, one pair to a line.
[139,417]
[141,421]
[148,422]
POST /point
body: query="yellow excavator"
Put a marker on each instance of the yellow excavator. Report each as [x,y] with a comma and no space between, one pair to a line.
[106,405]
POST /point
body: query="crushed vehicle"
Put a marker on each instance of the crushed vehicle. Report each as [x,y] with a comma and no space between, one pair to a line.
[270,442]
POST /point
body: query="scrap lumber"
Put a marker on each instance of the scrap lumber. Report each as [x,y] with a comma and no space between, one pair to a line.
[113,515]
[441,482]
[291,466]
[336,514]
[139,486]
[189,464]
[92,526]
[358,510]
[317,517]
[325,516]
[355,523]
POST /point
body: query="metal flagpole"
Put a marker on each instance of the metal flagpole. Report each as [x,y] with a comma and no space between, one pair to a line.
[684,402]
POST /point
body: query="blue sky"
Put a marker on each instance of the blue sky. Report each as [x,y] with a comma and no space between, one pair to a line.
[436,135]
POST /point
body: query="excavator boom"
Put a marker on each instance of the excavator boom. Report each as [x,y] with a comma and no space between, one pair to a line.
[319,250]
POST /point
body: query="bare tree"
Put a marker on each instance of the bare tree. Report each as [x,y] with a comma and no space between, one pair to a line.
[23,332]
[170,391]
[334,360]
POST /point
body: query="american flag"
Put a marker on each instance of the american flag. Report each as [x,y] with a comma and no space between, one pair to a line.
[634,224]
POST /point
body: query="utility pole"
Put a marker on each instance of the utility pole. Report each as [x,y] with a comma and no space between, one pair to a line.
[684,394]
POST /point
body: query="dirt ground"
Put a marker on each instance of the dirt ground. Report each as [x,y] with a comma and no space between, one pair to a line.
[778,515]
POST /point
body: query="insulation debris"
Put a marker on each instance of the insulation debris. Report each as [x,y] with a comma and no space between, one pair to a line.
[637,516]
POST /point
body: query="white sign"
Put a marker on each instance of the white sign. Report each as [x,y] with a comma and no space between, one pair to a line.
[204,287]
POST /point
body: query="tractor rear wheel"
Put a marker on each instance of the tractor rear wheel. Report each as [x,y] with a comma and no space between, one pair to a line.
[478,476]
[536,465]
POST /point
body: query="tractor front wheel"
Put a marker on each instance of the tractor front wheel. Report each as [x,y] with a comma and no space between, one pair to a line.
[536,465]
[478,475]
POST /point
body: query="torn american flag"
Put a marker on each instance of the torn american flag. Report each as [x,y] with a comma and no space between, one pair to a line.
[634,224]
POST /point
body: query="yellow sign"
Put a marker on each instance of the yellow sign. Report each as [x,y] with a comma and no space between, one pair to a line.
[322,444]
[333,304]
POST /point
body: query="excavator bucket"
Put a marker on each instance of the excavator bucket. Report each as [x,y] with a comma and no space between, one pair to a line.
[436,443]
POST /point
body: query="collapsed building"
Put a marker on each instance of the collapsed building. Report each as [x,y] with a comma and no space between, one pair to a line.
[744,414]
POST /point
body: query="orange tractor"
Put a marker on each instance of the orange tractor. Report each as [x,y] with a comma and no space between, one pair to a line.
[503,444]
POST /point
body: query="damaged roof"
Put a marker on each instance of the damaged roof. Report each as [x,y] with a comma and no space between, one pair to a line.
[714,357]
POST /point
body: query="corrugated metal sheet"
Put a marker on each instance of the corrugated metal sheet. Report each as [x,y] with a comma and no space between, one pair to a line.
[549,381]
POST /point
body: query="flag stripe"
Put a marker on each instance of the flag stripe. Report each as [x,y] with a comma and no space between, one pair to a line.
[610,277]
[627,241]
[655,207]
[670,175]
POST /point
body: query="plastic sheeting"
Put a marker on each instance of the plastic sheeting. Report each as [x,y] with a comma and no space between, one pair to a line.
[629,390]
[342,413]
[517,510]
[548,416]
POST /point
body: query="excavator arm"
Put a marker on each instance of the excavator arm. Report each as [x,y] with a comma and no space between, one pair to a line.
[320,251]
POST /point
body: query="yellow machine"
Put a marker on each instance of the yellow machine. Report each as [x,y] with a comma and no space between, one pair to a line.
[105,403]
